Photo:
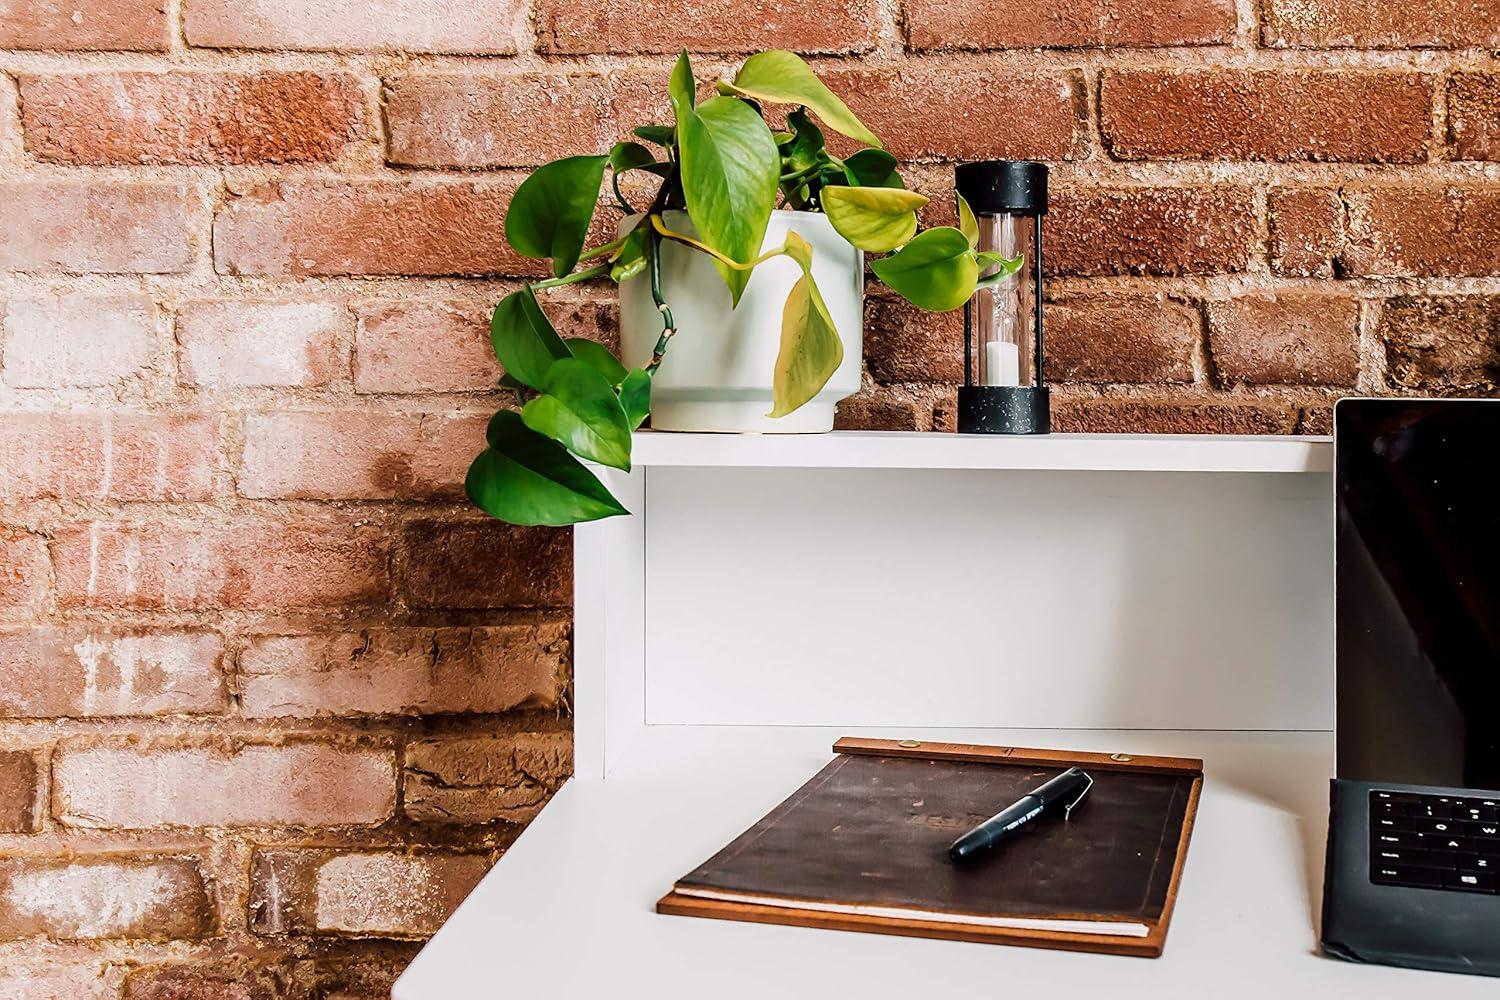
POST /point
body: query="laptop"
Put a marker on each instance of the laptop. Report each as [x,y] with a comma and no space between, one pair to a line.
[1413,874]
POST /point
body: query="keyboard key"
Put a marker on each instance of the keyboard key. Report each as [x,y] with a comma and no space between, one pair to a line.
[1419,859]
[1445,827]
[1471,881]
[1485,864]
[1401,875]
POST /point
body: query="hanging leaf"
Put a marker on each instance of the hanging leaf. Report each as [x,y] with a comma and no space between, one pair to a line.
[730,172]
[597,357]
[872,168]
[524,339]
[1003,267]
[811,350]
[806,147]
[784,78]
[635,397]
[935,271]
[967,224]
[661,135]
[578,409]
[874,219]
[551,211]
[628,156]
[525,478]
[681,87]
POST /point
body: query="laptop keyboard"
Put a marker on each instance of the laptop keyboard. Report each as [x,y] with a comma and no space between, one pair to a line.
[1435,841]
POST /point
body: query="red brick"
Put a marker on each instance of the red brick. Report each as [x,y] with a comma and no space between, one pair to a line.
[1442,344]
[970,24]
[1474,116]
[124,25]
[905,344]
[245,562]
[10,137]
[191,118]
[97,456]
[359,894]
[370,227]
[929,110]
[486,778]
[356,455]
[1146,230]
[481,27]
[1307,231]
[55,980]
[55,341]
[94,228]
[404,671]
[486,564]
[1422,231]
[87,672]
[20,793]
[1087,415]
[1360,24]
[576,26]
[1285,339]
[1120,338]
[183,982]
[1266,115]
[237,343]
[23,574]
[132,785]
[893,408]
[101,897]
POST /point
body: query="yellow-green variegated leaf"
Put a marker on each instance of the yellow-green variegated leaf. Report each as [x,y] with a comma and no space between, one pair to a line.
[783,78]
[811,350]
[875,219]
[967,224]
[936,271]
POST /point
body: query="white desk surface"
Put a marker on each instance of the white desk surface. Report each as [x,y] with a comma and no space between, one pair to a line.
[568,912]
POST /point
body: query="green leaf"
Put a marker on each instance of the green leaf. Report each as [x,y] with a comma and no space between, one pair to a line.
[681,87]
[635,397]
[873,219]
[967,224]
[811,350]
[784,78]
[1003,267]
[935,271]
[630,156]
[806,147]
[662,135]
[524,339]
[872,168]
[550,212]
[630,260]
[597,357]
[578,409]
[525,478]
[730,174]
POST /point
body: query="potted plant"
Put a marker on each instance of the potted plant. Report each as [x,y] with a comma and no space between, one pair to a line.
[751,246]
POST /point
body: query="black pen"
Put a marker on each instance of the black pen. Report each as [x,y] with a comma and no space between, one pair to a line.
[1060,794]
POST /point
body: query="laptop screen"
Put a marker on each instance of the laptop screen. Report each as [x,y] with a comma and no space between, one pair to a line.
[1418,637]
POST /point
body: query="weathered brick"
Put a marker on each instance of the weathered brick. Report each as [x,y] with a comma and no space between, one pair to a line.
[485,778]
[905,344]
[1438,24]
[1442,344]
[94,227]
[10,134]
[236,343]
[1087,415]
[1286,339]
[87,672]
[23,573]
[190,982]
[53,341]
[92,898]
[575,26]
[352,454]
[247,562]
[970,24]
[927,110]
[1474,116]
[83,456]
[130,785]
[57,980]
[123,25]
[485,564]
[192,118]
[404,671]
[886,408]
[1120,338]
[360,894]
[1397,232]
[372,227]
[1266,115]
[1307,231]
[1162,230]
[481,27]
[20,793]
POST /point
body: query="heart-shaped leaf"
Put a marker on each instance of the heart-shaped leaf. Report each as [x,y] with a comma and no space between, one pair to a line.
[872,168]
[525,478]
[578,409]
[550,212]
[597,357]
[730,172]
[661,135]
[967,224]
[635,396]
[524,339]
[783,78]
[806,147]
[873,219]
[628,156]
[996,267]
[811,350]
[935,271]
[681,87]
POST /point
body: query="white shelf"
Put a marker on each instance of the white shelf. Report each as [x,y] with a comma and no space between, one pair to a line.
[1054,452]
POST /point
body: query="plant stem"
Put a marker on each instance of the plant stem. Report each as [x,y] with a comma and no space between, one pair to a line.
[570,279]
[668,325]
[614,182]
[600,251]
[687,240]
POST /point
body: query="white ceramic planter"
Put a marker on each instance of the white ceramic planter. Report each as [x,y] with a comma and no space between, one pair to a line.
[718,368]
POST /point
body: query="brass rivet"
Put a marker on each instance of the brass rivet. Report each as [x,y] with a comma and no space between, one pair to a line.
[1121,757]
[909,743]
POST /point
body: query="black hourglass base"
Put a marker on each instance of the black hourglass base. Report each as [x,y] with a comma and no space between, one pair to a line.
[1004,409]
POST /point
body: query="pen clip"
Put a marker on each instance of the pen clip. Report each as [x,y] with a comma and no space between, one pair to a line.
[1068,809]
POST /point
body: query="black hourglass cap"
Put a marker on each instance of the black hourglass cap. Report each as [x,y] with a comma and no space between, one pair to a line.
[992,187]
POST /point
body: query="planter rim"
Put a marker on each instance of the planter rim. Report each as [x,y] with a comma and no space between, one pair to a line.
[822,217]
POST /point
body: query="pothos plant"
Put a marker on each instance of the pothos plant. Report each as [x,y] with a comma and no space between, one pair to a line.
[722,163]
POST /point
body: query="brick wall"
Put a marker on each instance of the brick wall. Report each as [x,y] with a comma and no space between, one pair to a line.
[273,697]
